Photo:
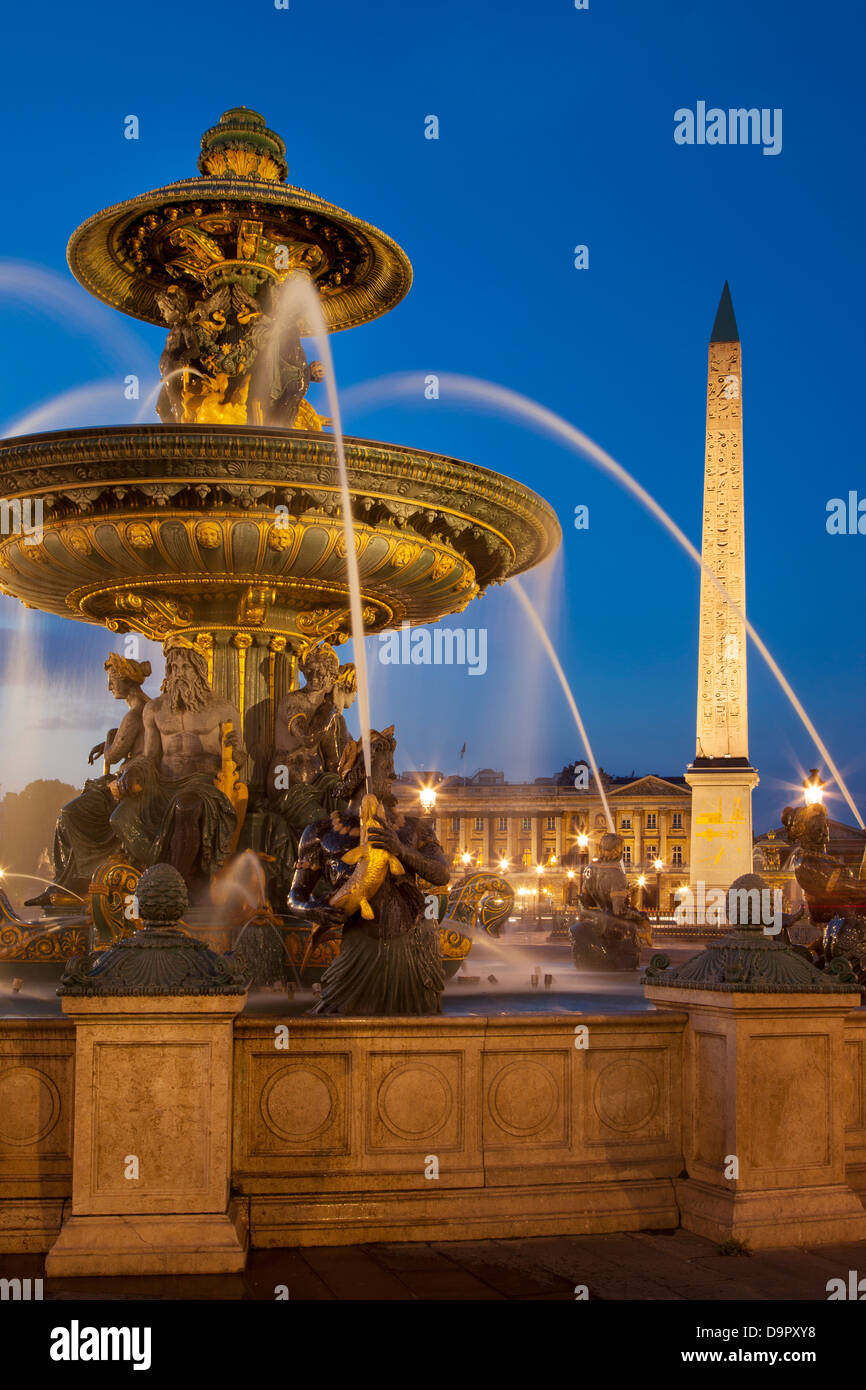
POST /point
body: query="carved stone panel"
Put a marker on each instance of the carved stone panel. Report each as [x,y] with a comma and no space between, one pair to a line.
[778,1070]
[415,1101]
[527,1099]
[149,1103]
[628,1095]
[299,1104]
[709,1120]
[36,1076]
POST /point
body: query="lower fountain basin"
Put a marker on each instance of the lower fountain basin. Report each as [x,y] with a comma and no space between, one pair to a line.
[161,529]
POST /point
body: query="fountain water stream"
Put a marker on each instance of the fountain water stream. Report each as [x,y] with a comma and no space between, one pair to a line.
[569,695]
[300,300]
[510,403]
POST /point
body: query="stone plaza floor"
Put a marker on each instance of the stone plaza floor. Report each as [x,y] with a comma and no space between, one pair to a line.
[648,1266]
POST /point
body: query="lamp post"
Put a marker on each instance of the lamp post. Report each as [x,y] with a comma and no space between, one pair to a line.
[813,788]
[427,797]
[641,883]
[658,866]
[583,846]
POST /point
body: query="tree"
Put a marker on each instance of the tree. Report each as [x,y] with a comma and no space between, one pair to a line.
[27,820]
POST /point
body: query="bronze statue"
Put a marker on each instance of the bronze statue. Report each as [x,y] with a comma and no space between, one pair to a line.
[609,931]
[302,782]
[84,835]
[233,355]
[181,349]
[835,898]
[186,729]
[310,731]
[336,736]
[389,962]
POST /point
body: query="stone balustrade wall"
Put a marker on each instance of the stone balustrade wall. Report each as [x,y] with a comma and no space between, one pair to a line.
[336,1136]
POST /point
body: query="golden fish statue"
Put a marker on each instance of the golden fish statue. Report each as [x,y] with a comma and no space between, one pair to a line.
[229,783]
[371,865]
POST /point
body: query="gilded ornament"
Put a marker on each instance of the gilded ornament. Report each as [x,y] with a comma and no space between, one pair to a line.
[405,554]
[209,535]
[139,535]
[280,537]
[79,541]
[442,566]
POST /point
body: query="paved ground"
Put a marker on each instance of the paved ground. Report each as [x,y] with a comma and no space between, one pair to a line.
[661,1265]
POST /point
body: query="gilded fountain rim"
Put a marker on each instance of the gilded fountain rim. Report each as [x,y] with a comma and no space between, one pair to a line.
[273,446]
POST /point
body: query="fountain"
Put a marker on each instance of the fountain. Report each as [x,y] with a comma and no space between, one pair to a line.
[251,541]
[231,531]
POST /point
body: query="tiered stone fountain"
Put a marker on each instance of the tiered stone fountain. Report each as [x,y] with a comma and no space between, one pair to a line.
[221,527]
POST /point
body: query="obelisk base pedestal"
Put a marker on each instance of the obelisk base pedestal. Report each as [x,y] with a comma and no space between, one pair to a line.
[721,829]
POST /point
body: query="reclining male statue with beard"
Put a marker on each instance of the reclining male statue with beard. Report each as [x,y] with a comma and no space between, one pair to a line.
[390,960]
[169,809]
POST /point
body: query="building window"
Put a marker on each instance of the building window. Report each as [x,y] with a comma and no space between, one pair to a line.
[626,854]
[455,825]
[652,852]
[651,820]
[677,822]
[503,822]
[625,823]
[551,822]
[677,855]
[479,822]
[526,823]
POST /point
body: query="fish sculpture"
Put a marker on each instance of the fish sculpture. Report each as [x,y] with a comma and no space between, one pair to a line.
[371,865]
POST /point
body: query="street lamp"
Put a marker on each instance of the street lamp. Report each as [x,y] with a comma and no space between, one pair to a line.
[641,883]
[658,866]
[583,846]
[813,788]
[466,857]
[427,797]
[503,864]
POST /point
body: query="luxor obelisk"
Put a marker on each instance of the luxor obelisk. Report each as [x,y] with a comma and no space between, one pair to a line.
[721,776]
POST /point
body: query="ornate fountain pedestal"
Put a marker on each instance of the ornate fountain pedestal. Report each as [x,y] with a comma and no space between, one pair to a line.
[153,1066]
[765,1092]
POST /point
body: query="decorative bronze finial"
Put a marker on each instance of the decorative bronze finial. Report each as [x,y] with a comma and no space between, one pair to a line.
[240,146]
[161,958]
[162,897]
[750,960]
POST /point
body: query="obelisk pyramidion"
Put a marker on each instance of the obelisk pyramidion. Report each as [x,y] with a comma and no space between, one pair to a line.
[721,776]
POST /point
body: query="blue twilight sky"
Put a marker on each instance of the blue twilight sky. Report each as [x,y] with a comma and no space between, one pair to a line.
[555,129]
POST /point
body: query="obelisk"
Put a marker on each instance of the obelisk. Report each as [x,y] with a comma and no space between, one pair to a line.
[721,776]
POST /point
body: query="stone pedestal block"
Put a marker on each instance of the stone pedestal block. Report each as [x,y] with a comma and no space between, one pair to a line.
[151,1147]
[763,1115]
